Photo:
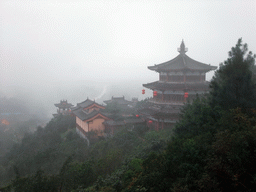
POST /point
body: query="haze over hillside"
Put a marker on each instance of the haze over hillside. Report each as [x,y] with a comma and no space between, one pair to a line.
[40,100]
[53,50]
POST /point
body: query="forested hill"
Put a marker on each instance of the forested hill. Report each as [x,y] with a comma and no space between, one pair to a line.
[212,148]
[56,157]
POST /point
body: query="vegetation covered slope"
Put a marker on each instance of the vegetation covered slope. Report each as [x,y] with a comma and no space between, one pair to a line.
[213,147]
[55,158]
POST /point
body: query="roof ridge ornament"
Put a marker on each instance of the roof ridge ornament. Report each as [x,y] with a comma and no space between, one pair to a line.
[182,49]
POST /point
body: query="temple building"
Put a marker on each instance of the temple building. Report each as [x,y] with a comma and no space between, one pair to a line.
[64,108]
[113,126]
[180,80]
[120,101]
[89,117]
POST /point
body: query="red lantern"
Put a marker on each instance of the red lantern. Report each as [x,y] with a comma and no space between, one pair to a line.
[154,93]
[143,91]
[137,115]
[150,121]
[186,95]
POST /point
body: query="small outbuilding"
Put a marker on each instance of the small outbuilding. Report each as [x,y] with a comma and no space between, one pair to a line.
[89,117]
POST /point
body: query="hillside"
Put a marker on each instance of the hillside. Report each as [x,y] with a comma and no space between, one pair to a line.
[212,148]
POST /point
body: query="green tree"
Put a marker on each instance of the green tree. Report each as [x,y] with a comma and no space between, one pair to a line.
[214,144]
[232,85]
[197,118]
[231,163]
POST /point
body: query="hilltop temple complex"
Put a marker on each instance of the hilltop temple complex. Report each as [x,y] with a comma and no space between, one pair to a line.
[120,101]
[180,80]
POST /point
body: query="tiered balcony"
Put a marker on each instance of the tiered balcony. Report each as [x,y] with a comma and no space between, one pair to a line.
[165,102]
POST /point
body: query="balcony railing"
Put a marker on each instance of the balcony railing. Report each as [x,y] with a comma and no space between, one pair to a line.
[159,101]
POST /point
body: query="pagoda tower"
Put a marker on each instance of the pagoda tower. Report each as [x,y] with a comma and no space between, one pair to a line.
[180,80]
[64,108]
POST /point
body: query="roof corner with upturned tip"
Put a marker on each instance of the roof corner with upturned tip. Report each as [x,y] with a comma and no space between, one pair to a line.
[82,110]
[118,100]
[87,103]
[63,104]
[182,62]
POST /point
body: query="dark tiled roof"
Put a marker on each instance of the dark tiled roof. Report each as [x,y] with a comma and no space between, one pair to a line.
[85,103]
[75,108]
[147,111]
[63,104]
[118,100]
[150,111]
[171,109]
[204,86]
[182,62]
[78,110]
[138,120]
[114,123]
[163,120]
[83,116]
[69,105]
[120,123]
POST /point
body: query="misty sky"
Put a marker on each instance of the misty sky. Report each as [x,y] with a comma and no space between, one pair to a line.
[45,41]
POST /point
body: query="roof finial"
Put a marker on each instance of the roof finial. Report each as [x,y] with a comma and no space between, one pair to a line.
[182,48]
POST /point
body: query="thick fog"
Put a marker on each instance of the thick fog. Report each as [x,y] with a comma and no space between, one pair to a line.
[53,50]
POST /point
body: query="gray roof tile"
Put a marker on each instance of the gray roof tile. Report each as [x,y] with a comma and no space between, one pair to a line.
[182,62]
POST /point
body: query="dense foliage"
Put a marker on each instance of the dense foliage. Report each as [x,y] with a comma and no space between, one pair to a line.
[214,144]
[57,158]
[232,84]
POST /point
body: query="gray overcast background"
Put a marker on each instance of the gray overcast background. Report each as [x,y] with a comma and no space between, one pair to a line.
[50,49]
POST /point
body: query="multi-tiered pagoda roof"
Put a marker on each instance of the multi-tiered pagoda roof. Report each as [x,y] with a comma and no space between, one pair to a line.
[63,104]
[181,80]
[64,108]
[182,63]
[181,74]
[162,86]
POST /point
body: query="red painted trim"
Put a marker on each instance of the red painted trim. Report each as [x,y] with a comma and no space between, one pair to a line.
[94,105]
[98,115]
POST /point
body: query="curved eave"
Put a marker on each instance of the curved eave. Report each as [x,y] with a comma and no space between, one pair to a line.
[182,63]
[94,105]
[99,115]
[173,86]
[63,106]
[154,68]
[89,117]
